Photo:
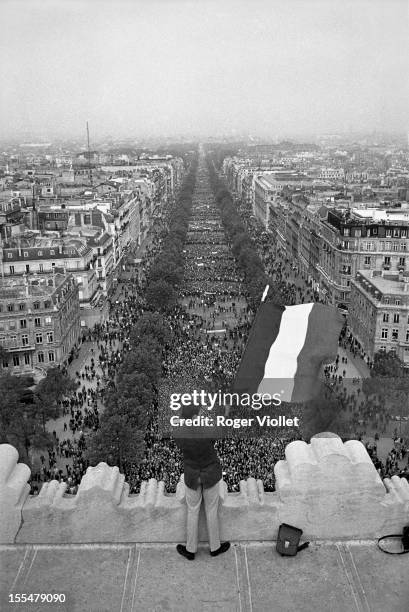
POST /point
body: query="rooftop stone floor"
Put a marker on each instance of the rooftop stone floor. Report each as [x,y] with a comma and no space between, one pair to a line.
[333,577]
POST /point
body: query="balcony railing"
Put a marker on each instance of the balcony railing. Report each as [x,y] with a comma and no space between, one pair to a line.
[15,346]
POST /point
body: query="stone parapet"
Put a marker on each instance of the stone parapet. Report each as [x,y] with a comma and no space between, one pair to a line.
[13,492]
[327,488]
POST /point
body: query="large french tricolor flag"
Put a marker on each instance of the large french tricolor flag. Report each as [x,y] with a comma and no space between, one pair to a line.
[286,348]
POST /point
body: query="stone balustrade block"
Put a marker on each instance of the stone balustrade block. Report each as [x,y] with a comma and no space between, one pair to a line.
[327,488]
[13,492]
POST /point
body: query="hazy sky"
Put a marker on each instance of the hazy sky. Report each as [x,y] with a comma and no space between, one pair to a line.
[273,67]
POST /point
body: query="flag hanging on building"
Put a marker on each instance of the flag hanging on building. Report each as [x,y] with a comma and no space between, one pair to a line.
[286,348]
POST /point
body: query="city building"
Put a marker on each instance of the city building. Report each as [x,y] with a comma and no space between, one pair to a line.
[379,312]
[332,174]
[39,321]
[46,255]
[360,239]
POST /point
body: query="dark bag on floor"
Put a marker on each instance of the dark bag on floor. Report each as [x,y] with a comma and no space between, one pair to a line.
[404,539]
[288,540]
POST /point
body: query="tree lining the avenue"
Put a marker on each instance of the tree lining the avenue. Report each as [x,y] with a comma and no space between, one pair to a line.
[130,401]
[166,272]
[242,245]
[25,409]
[133,397]
[327,411]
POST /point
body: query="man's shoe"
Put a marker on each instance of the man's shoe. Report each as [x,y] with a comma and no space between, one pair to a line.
[224,547]
[185,553]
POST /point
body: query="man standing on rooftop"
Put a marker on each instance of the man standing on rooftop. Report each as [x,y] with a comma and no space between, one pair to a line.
[202,474]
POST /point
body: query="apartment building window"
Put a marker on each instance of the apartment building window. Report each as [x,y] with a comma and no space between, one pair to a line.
[401,261]
[396,318]
[23,323]
[384,333]
[386,317]
[41,267]
[382,348]
[39,338]
[48,320]
[395,246]
[36,305]
[27,268]
[388,233]
[397,302]
[24,339]
[11,269]
[50,335]
[26,359]
[403,246]
[386,300]
[396,232]
[40,357]
[25,254]
[21,306]
[51,356]
[358,233]
[407,335]
[387,260]
[5,363]
[346,231]
[16,360]
[395,333]
[367,260]
[403,233]
[10,307]
[37,322]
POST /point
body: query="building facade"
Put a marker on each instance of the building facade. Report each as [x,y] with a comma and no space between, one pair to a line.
[379,312]
[39,321]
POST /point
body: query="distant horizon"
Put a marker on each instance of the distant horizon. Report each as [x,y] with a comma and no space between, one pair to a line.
[39,140]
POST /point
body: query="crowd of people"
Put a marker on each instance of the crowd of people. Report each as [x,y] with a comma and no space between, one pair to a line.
[210,327]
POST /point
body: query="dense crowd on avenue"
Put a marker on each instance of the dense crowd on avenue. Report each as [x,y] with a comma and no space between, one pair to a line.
[210,326]
[211,329]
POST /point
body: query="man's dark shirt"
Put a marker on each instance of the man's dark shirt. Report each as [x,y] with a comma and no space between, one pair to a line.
[201,463]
